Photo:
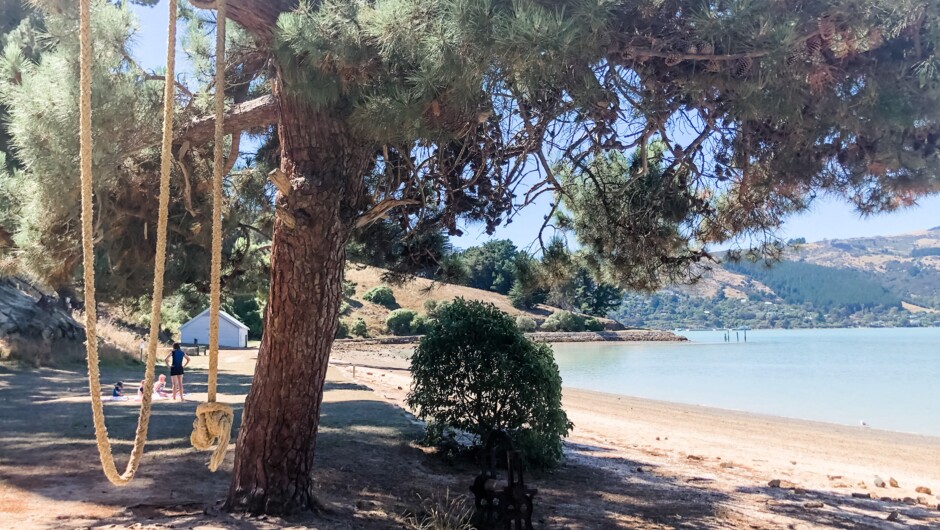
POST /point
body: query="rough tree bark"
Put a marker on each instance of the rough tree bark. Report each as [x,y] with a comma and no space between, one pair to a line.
[324,163]
[276,441]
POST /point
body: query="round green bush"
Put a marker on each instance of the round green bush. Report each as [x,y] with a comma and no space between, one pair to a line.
[421,324]
[525,324]
[359,328]
[475,371]
[381,295]
[399,321]
[342,330]
[565,321]
[593,324]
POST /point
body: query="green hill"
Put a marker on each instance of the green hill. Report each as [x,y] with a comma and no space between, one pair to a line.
[872,281]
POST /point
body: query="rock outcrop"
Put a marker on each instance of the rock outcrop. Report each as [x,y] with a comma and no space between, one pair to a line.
[29,316]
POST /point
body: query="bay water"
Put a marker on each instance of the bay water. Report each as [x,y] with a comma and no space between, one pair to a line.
[887,378]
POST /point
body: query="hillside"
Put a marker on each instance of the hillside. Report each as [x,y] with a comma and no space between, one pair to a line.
[413,295]
[871,281]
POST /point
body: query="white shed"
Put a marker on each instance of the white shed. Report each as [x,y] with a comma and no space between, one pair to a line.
[232,333]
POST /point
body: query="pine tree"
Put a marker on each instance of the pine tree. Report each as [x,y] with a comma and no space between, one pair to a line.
[435,112]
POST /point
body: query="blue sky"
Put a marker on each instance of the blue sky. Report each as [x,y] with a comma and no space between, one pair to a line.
[827,219]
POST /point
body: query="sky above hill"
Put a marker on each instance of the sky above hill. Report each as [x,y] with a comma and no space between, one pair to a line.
[828,218]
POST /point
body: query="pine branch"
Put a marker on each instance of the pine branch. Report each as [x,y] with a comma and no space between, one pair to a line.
[254,114]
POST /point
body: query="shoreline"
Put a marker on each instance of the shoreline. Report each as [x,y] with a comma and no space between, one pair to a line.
[730,451]
[756,415]
[630,335]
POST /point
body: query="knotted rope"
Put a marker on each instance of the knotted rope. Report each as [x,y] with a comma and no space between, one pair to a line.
[91,320]
[214,420]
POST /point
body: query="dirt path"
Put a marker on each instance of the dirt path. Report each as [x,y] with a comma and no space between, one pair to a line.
[370,474]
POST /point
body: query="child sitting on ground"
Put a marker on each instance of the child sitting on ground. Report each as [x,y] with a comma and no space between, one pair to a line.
[118,392]
[159,388]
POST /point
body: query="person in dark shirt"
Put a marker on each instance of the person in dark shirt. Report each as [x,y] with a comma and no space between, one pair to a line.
[179,361]
[118,391]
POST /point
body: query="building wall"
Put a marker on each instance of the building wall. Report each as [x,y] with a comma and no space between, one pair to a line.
[230,335]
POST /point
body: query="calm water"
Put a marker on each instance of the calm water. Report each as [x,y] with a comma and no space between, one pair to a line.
[889,378]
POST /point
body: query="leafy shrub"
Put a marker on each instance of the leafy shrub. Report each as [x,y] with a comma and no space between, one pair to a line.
[344,307]
[421,324]
[565,321]
[359,328]
[433,307]
[593,324]
[381,295]
[430,306]
[509,382]
[342,330]
[525,324]
[349,289]
[399,321]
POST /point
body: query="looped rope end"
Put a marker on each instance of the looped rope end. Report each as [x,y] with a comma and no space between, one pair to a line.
[213,425]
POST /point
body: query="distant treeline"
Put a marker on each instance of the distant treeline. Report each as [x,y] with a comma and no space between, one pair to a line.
[926,251]
[822,287]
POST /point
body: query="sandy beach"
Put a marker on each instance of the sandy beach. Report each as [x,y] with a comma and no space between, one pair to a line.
[736,453]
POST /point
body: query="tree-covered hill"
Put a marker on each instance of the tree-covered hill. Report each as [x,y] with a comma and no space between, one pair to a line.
[871,281]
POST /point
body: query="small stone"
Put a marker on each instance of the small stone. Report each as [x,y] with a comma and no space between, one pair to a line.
[894,483]
[775,483]
[834,477]
[862,495]
[813,504]
[727,465]
[894,516]
[863,485]
[399,388]
[909,500]
[922,489]
[879,482]
[639,470]
[922,501]
[657,438]
[694,457]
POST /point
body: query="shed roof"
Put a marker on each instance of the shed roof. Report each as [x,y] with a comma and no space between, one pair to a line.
[222,316]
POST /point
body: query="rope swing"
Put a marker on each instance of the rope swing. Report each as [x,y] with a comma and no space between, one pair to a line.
[213,420]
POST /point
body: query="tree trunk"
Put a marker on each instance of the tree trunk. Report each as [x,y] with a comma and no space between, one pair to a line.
[274,455]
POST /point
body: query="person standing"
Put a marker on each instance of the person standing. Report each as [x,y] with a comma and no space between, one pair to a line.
[179,361]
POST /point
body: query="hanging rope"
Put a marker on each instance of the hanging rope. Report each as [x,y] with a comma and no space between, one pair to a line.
[91,323]
[213,422]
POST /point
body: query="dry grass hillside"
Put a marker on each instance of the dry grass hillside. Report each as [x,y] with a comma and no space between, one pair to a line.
[413,295]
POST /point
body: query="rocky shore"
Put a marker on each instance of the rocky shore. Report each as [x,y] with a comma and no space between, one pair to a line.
[633,335]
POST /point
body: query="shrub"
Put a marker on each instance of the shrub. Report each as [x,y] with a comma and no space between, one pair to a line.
[593,324]
[525,324]
[430,306]
[349,289]
[399,321]
[564,321]
[433,307]
[344,307]
[359,328]
[342,330]
[421,324]
[381,295]
[474,358]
